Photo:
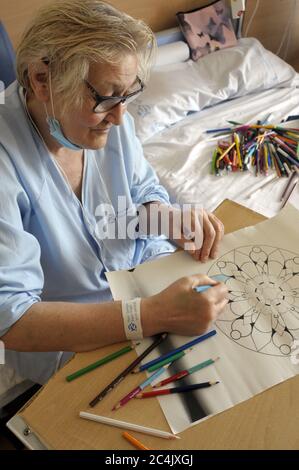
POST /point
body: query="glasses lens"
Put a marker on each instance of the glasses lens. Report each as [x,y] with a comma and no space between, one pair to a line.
[105,105]
[133,97]
[110,103]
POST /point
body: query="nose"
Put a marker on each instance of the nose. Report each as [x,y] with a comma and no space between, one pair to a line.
[115,115]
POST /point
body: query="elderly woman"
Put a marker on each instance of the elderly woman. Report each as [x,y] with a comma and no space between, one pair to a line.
[67,152]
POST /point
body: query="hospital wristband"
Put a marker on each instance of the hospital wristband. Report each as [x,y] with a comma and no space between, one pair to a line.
[131,318]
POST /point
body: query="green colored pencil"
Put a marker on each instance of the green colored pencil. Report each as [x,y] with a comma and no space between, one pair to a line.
[99,363]
[169,359]
[184,373]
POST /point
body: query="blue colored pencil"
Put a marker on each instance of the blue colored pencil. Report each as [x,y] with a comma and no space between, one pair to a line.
[188,345]
[215,131]
[218,278]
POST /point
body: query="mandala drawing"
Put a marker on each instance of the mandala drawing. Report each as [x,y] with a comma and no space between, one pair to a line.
[263,310]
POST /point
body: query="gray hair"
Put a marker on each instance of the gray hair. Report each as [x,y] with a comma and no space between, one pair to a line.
[72,34]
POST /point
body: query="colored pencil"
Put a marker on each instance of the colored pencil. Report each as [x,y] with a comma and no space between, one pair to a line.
[99,363]
[186,372]
[251,143]
[288,185]
[216,131]
[218,278]
[125,372]
[188,345]
[126,425]
[287,169]
[140,387]
[280,165]
[168,391]
[225,153]
[134,441]
[285,146]
[289,194]
[287,156]
[237,142]
[173,358]
[214,160]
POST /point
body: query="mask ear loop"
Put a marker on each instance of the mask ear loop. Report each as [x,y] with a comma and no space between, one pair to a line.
[51,97]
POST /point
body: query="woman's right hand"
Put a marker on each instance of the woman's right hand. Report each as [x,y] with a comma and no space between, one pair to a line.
[179,309]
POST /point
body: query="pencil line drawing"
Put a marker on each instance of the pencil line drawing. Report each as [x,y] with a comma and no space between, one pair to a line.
[263,310]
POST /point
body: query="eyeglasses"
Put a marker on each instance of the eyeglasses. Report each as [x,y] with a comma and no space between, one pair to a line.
[105,103]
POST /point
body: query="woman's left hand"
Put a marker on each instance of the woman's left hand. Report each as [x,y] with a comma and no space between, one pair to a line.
[203,241]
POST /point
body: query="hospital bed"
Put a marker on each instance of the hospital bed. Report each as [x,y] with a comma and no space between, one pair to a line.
[184,99]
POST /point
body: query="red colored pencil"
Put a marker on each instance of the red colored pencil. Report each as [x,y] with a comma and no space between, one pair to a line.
[184,373]
[168,391]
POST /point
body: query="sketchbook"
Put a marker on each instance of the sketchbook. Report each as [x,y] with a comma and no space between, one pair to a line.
[257,338]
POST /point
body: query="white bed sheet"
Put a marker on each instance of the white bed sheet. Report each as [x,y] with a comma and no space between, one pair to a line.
[181,155]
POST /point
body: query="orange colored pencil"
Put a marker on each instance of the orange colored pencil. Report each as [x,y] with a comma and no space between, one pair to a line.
[134,441]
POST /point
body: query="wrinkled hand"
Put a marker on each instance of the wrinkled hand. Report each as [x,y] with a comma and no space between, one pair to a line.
[183,311]
[203,240]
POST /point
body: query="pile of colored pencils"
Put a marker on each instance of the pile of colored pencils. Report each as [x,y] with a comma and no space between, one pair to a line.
[263,147]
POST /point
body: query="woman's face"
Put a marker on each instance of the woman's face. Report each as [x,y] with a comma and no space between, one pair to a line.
[87,128]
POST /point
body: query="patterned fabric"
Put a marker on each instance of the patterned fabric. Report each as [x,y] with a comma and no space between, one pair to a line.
[207,29]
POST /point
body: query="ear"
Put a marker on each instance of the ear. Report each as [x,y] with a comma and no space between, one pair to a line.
[38,74]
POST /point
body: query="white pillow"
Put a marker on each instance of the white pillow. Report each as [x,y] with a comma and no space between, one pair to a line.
[173,53]
[176,90]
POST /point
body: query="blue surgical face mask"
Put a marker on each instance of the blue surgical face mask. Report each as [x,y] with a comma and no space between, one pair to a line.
[56,132]
[55,127]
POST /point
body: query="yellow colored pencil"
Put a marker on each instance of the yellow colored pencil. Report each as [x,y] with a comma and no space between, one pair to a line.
[237,142]
[225,153]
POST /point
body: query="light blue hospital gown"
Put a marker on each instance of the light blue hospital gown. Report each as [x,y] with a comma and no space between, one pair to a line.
[50,249]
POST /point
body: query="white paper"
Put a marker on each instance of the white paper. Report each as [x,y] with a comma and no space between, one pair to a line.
[257,331]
